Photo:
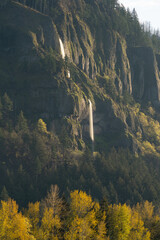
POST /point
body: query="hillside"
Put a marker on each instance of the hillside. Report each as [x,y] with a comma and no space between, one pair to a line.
[108,59]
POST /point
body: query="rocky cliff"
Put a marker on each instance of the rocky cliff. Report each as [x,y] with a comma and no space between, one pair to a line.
[101,68]
[145,74]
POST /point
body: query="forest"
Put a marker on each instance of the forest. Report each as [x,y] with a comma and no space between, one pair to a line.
[78,218]
[33,158]
[52,184]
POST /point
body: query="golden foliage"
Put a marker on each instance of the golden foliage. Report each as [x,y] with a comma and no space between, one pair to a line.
[13,225]
[33,214]
[83,221]
[119,221]
[138,231]
[42,127]
[50,225]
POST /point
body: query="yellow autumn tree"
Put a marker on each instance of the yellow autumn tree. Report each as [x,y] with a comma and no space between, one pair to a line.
[51,208]
[138,231]
[12,224]
[119,217]
[45,217]
[101,234]
[50,225]
[33,214]
[42,127]
[83,223]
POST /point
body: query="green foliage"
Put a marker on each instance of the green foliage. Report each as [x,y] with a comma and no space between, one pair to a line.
[22,124]
[6,109]
[119,222]
[64,137]
[4,194]
[151,132]
[37,158]
[128,98]
[48,62]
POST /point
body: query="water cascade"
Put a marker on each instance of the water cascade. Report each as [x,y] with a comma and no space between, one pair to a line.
[62,48]
[68,75]
[91,129]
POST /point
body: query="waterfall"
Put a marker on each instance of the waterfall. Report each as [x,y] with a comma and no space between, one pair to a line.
[68,74]
[62,48]
[91,129]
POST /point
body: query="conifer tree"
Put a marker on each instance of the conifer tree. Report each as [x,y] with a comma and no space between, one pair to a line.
[22,123]
[7,109]
[4,194]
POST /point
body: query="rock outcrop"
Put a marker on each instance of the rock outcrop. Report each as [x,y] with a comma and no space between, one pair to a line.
[22,28]
[145,74]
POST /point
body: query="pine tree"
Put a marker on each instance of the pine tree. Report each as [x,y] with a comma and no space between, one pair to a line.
[4,194]
[22,123]
[7,109]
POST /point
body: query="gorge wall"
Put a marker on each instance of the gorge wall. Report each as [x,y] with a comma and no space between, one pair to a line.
[101,65]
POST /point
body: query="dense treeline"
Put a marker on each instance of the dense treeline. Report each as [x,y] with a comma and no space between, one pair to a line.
[78,218]
[25,151]
[32,158]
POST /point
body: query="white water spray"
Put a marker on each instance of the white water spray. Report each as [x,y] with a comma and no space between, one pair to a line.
[62,48]
[68,74]
[91,129]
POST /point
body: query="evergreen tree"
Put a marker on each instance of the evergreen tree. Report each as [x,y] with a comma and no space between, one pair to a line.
[22,124]
[4,194]
[7,110]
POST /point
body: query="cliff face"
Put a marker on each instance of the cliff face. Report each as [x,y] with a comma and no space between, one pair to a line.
[22,29]
[145,75]
[101,68]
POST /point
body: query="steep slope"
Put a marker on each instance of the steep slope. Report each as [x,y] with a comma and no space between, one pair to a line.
[145,75]
[102,63]
[36,77]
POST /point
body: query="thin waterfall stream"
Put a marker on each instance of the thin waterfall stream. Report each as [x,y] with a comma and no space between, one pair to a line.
[68,75]
[91,128]
[62,48]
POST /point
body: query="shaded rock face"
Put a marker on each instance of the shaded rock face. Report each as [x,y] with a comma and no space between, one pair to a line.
[109,123]
[122,67]
[48,103]
[107,55]
[145,75]
[79,48]
[24,36]
[158,60]
[35,91]
[25,28]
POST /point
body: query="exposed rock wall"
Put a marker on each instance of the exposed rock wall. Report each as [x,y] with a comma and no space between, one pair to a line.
[22,28]
[145,74]
[26,39]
